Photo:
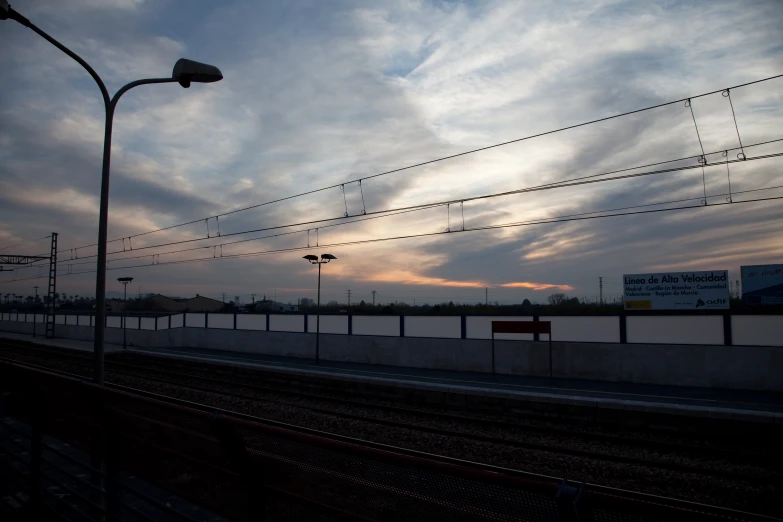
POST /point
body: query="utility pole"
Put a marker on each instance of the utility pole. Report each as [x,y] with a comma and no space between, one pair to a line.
[224,297]
[253,297]
[486,296]
[373,298]
[601,291]
[349,298]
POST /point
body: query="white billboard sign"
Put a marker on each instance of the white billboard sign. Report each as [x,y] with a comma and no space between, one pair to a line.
[677,291]
[762,284]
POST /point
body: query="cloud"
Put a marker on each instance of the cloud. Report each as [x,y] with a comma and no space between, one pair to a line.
[316,96]
[537,286]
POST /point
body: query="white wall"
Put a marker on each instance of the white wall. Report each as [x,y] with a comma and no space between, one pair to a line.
[221,321]
[376,325]
[757,330]
[113,321]
[286,323]
[147,323]
[747,330]
[251,322]
[132,323]
[195,320]
[587,329]
[423,326]
[334,324]
[707,329]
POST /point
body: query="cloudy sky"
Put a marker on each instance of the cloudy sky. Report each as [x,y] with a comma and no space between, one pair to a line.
[318,94]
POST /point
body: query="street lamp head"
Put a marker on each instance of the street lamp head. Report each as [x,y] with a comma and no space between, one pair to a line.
[328,257]
[125,279]
[186,71]
[311,258]
[7,12]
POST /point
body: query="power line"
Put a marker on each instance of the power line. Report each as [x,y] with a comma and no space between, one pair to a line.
[434,205]
[443,158]
[432,234]
[583,180]
[25,242]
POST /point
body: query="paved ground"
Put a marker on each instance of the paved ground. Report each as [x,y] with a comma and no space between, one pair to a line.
[643,393]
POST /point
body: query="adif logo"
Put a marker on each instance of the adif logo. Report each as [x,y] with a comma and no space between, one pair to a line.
[699,303]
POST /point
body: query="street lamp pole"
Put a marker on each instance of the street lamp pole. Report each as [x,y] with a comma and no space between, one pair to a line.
[185,72]
[35,302]
[325,258]
[124,281]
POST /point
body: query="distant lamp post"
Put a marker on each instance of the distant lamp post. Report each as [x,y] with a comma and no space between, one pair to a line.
[124,281]
[185,72]
[35,302]
[325,258]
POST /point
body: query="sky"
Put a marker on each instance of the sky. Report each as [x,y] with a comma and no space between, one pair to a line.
[319,95]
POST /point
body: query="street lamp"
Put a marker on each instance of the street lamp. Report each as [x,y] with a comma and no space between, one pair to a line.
[185,72]
[34,306]
[124,281]
[325,258]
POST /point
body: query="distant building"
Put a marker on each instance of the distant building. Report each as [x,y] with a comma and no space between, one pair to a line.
[267,305]
[162,303]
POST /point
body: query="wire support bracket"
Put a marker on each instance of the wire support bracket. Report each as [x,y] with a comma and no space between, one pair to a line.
[703,158]
[361,191]
[345,201]
[741,154]
[728,175]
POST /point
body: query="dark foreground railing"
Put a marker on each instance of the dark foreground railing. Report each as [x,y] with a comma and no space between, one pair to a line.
[243,469]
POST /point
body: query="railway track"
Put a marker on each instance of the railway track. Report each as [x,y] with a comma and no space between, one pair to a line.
[226,388]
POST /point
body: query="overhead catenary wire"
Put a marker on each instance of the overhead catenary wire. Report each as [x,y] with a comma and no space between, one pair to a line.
[443,158]
[25,242]
[543,221]
[589,179]
[415,208]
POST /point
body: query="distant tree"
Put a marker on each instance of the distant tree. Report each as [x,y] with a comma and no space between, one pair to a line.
[333,303]
[557,299]
[526,303]
[362,303]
